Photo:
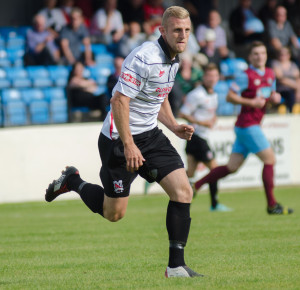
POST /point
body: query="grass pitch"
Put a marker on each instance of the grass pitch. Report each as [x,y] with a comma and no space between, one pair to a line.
[62,245]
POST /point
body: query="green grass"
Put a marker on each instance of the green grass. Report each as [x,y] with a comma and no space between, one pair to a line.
[62,245]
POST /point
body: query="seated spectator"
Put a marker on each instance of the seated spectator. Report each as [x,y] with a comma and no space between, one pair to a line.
[153,12]
[55,19]
[114,77]
[66,8]
[132,11]
[293,12]
[82,92]
[287,76]
[281,33]
[244,24]
[187,78]
[267,11]
[72,37]
[130,40]
[41,49]
[107,24]
[209,49]
[214,21]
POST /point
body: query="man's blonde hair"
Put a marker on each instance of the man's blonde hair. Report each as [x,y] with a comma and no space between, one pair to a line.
[174,11]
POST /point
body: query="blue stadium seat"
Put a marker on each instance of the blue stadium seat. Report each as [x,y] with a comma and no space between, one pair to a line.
[100,71]
[37,72]
[221,88]
[99,48]
[42,82]
[59,110]
[10,95]
[2,43]
[4,83]
[56,72]
[226,109]
[39,112]
[54,94]
[8,31]
[5,62]
[3,74]
[17,42]
[232,66]
[22,30]
[21,83]
[15,114]
[15,53]
[16,73]
[32,94]
[104,58]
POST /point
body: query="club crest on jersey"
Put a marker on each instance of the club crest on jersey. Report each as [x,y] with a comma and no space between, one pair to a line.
[118,186]
[270,81]
[129,78]
[161,73]
[257,82]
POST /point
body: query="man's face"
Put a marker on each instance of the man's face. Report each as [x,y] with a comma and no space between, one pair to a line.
[76,20]
[258,56]
[176,34]
[214,19]
[280,15]
[210,78]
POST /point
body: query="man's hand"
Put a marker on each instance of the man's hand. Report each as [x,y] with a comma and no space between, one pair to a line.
[134,157]
[258,102]
[184,131]
[275,98]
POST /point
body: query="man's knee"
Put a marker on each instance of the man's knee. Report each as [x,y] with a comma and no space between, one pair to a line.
[114,216]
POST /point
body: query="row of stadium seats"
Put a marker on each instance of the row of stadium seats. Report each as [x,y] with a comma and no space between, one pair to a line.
[42,76]
[33,106]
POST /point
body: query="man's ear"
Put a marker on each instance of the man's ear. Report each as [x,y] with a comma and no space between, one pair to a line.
[162,30]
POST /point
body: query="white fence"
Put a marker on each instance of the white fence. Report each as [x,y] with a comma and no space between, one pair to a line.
[31,157]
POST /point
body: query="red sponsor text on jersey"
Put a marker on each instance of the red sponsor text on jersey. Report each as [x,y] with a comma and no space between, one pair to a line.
[129,78]
[164,92]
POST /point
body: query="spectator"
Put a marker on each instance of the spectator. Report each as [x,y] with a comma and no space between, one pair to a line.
[288,77]
[107,24]
[199,10]
[281,32]
[132,11]
[267,11]
[41,49]
[209,49]
[82,92]
[153,11]
[214,21]
[67,7]
[244,24]
[55,19]
[130,40]
[72,37]
[113,78]
[187,78]
[293,12]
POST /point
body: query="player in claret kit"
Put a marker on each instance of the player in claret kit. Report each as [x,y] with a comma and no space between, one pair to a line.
[130,142]
[259,90]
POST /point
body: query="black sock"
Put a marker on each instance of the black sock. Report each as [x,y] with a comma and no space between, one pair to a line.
[213,190]
[178,227]
[91,194]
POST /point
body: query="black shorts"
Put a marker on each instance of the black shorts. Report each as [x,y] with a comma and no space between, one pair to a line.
[161,159]
[199,149]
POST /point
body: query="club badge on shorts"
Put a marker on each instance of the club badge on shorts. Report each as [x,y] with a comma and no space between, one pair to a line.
[118,186]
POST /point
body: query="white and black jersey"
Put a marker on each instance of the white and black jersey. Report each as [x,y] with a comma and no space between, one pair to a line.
[147,78]
[202,106]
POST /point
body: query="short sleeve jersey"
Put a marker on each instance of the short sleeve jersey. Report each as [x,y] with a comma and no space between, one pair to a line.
[259,83]
[202,106]
[147,77]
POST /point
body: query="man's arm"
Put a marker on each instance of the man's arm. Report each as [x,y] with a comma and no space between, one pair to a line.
[67,51]
[236,99]
[166,117]
[120,110]
[88,57]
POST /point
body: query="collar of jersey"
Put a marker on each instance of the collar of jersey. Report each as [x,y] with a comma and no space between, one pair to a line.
[165,49]
[260,72]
